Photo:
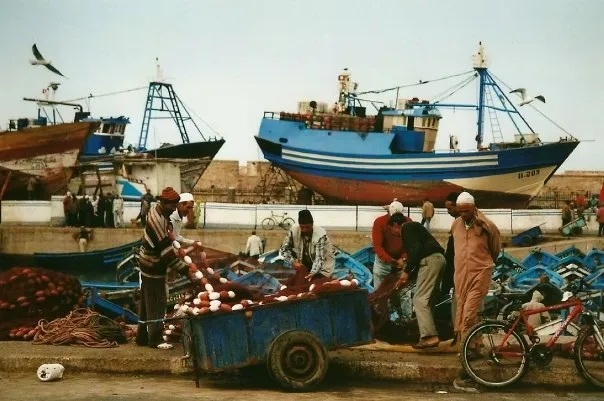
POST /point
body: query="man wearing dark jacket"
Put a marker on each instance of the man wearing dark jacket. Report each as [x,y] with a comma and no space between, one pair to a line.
[426,261]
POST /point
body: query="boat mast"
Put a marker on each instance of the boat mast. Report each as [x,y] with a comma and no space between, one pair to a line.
[480,65]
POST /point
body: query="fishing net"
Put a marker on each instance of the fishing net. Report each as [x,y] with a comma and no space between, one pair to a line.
[30,294]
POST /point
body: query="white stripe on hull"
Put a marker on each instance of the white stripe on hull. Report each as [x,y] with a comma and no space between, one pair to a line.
[44,164]
[398,166]
[525,182]
[433,159]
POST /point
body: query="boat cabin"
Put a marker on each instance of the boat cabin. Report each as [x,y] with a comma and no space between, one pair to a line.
[108,139]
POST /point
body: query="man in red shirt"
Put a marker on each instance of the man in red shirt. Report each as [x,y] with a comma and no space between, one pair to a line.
[600,219]
[387,244]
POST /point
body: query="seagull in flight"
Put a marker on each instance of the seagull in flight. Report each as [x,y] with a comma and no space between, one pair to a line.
[525,99]
[42,61]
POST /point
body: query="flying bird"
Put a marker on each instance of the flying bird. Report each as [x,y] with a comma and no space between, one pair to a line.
[525,99]
[42,61]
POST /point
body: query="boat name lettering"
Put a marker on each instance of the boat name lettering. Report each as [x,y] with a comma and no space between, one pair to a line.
[528,173]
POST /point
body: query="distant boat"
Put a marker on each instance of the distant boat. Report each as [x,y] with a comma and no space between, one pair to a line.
[350,158]
[41,149]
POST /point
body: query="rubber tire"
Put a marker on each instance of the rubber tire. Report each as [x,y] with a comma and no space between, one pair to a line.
[578,359]
[268,223]
[464,361]
[277,354]
[288,223]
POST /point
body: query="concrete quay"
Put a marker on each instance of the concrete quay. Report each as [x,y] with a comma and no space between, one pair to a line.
[370,362]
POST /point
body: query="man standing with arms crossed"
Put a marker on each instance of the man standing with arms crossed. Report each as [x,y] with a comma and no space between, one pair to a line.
[477,245]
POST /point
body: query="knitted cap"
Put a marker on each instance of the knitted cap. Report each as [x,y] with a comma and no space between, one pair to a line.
[305,217]
[169,195]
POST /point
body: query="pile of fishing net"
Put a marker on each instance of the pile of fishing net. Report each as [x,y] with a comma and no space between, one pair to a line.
[30,294]
[82,327]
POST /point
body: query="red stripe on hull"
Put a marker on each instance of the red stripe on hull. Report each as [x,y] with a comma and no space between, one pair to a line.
[412,193]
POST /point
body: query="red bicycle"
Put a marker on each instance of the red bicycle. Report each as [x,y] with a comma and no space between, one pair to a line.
[497,353]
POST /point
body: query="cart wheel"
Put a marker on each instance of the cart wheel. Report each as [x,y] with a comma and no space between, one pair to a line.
[526,240]
[297,360]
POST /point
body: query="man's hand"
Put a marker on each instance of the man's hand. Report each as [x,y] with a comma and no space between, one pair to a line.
[309,277]
[400,263]
[404,279]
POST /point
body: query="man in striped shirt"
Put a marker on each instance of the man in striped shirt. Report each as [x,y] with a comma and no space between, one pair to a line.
[156,258]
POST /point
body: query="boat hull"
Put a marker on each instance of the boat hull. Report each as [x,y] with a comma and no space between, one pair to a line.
[507,178]
[200,155]
[47,153]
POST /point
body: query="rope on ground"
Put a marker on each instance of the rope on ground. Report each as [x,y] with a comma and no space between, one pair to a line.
[81,327]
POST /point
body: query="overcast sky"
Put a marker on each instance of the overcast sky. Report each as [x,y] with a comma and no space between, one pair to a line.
[231,60]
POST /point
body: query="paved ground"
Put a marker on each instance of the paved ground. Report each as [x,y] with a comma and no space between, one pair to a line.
[26,387]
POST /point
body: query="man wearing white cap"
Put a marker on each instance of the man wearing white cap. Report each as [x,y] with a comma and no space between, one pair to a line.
[477,244]
[387,244]
[179,217]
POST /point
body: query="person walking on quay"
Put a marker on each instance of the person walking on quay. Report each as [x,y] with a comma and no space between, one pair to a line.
[156,259]
[95,210]
[477,245]
[73,210]
[254,246]
[109,223]
[427,213]
[308,248]
[32,184]
[567,215]
[600,219]
[387,245]
[425,262]
[118,211]
[66,208]
[83,236]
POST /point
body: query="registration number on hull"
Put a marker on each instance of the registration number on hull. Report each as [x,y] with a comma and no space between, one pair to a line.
[528,174]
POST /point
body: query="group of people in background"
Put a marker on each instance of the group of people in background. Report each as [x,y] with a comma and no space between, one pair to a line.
[93,211]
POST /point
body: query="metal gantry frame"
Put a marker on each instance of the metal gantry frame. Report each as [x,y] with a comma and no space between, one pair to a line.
[161,97]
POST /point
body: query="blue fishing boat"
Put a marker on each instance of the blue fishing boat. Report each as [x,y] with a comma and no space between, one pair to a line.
[349,157]
[97,266]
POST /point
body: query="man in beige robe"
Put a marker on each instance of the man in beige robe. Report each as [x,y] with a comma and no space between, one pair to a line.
[477,244]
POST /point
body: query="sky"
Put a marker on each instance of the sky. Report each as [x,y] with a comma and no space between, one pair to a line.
[230,61]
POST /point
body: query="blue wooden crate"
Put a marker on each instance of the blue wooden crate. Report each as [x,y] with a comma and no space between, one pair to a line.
[233,340]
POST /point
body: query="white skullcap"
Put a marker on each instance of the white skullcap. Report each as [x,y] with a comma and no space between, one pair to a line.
[465,198]
[395,207]
[186,197]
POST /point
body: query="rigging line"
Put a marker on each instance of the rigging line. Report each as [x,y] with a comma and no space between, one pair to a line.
[464,84]
[202,120]
[107,94]
[539,111]
[443,94]
[416,84]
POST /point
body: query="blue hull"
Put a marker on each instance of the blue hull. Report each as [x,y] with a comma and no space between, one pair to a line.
[360,168]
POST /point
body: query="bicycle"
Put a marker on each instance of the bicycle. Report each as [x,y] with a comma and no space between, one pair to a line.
[493,348]
[285,222]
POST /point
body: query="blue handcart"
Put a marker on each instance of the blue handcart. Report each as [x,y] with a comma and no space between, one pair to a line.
[528,237]
[292,338]
[574,227]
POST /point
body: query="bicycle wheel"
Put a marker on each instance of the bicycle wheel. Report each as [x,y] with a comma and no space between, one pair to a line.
[489,360]
[589,356]
[268,223]
[288,223]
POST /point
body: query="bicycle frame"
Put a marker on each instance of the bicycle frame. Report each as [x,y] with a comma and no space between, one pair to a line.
[577,309]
